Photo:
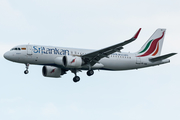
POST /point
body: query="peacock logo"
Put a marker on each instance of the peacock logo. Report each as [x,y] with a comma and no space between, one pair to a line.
[73,61]
[52,71]
[152,47]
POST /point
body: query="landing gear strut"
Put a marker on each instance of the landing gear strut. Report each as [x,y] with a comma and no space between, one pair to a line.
[76,78]
[27,67]
[90,71]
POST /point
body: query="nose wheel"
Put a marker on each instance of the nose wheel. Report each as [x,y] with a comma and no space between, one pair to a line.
[27,67]
[26,72]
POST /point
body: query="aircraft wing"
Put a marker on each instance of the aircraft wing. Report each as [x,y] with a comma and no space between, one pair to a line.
[93,57]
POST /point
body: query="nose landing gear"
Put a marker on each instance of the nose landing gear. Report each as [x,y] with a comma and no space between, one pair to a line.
[27,67]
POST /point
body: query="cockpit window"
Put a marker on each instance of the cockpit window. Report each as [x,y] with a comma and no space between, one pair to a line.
[15,49]
[12,49]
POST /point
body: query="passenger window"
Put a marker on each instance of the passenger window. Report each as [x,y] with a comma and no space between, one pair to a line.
[19,49]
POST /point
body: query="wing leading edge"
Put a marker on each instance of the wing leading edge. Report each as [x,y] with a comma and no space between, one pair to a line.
[93,57]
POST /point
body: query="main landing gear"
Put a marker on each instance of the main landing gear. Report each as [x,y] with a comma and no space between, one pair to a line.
[90,72]
[27,67]
[77,78]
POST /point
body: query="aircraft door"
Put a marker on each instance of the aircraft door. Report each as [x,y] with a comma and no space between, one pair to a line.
[29,49]
[138,60]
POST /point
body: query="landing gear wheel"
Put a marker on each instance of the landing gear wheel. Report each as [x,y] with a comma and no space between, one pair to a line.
[90,72]
[26,72]
[76,79]
[27,67]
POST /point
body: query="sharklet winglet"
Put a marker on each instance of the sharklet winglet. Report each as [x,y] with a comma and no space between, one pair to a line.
[136,35]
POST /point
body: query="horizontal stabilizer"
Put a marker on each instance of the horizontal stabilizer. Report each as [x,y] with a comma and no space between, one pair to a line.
[161,57]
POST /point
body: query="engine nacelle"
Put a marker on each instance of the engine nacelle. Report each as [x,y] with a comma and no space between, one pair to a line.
[49,71]
[72,61]
[59,61]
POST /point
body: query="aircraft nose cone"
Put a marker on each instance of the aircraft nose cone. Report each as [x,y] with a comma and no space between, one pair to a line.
[6,55]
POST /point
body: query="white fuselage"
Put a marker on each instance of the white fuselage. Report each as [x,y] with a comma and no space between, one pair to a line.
[46,55]
[57,61]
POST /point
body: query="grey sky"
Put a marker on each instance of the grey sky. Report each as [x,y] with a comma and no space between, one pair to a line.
[150,93]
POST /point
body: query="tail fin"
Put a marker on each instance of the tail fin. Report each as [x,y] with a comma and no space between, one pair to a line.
[154,44]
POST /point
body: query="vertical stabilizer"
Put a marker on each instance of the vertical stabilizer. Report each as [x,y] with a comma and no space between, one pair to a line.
[154,44]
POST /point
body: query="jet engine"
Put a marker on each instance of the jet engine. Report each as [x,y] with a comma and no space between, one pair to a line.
[59,61]
[50,71]
[72,61]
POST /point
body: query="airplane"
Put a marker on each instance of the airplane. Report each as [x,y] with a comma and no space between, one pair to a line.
[57,61]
